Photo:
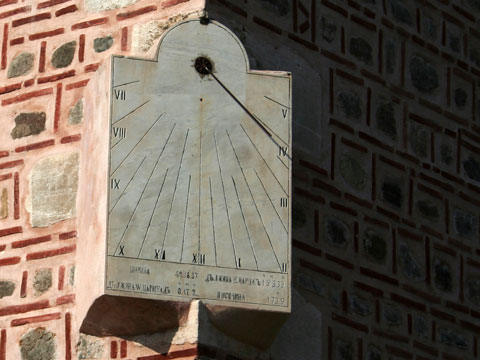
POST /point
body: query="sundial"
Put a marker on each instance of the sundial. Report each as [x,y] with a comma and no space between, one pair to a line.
[199,179]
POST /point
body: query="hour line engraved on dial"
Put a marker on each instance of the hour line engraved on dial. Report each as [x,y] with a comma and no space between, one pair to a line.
[139,141]
[277,102]
[131,112]
[127,83]
[253,198]
[213,221]
[185,217]
[271,202]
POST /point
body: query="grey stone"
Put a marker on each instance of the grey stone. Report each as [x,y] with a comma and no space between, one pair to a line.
[421,327]
[22,64]
[464,223]
[429,27]
[373,353]
[360,306]
[38,344]
[311,284]
[75,115]
[281,6]
[390,56]
[53,189]
[423,74]
[392,193]
[350,104]
[475,4]
[102,5]
[71,277]
[385,117]
[418,140]
[335,231]
[90,347]
[362,50]
[299,216]
[27,124]
[428,209]
[63,56]
[409,265]
[442,275]
[328,29]
[460,97]
[472,168]
[42,281]
[343,350]
[102,44]
[475,55]
[473,290]
[454,43]
[352,172]
[400,12]
[6,288]
[392,315]
[450,337]
[446,153]
[375,246]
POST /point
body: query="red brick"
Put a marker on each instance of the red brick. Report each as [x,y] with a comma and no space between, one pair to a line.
[348,322]
[9,88]
[31,241]
[16,196]
[339,261]
[65,299]
[20,309]
[23,288]
[366,24]
[67,235]
[347,76]
[327,187]
[376,275]
[170,3]
[307,44]
[408,302]
[89,23]
[81,48]
[313,167]
[265,24]
[68,336]
[343,208]
[3,247]
[138,12]
[310,196]
[27,96]
[15,12]
[398,352]
[91,67]
[354,145]
[6,176]
[31,19]
[358,200]
[335,7]
[10,231]
[41,63]
[58,108]
[329,273]
[307,248]
[49,253]
[66,10]
[424,295]
[8,2]
[113,349]
[28,82]
[45,34]
[71,138]
[391,336]
[56,77]
[124,41]
[123,349]
[372,290]
[77,84]
[3,344]
[35,319]
[17,41]
[340,124]
[4,46]
[49,3]
[10,261]
[36,146]
[61,277]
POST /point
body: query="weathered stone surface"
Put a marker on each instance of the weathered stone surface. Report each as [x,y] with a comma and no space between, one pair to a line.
[90,347]
[429,27]
[352,172]
[475,55]
[335,231]
[453,338]
[421,327]
[392,315]
[280,6]
[350,104]
[428,209]
[472,168]
[38,344]
[299,216]
[442,275]
[454,43]
[464,223]
[53,188]
[343,350]
[71,276]
[385,116]
[103,43]
[475,4]
[22,64]
[473,290]
[4,204]
[418,140]
[460,97]
[328,29]
[63,56]
[362,50]
[6,288]
[27,124]
[423,74]
[401,12]
[373,353]
[309,283]
[75,115]
[102,5]
[42,281]
[446,153]
[375,246]
[390,56]
[392,193]
[360,306]
[409,265]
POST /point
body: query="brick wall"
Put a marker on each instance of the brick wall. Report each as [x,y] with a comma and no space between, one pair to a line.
[386,167]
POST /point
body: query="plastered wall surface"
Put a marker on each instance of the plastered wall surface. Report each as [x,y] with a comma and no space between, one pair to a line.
[386,172]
